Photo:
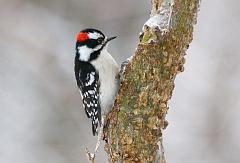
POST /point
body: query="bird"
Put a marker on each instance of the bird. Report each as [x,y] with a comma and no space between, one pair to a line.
[97,77]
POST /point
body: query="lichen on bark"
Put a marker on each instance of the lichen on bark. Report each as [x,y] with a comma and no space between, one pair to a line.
[136,122]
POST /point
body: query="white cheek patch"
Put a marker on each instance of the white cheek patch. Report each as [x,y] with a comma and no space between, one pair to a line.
[85,52]
[94,35]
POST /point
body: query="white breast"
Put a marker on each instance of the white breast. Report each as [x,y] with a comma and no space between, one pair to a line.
[108,71]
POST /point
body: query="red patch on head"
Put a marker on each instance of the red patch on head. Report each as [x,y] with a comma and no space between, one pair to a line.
[82,36]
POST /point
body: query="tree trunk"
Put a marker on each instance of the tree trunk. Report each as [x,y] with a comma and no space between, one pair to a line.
[135,125]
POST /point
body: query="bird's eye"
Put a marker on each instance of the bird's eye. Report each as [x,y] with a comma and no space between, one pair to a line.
[100,40]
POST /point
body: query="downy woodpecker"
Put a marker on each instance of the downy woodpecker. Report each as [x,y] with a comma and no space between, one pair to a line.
[97,76]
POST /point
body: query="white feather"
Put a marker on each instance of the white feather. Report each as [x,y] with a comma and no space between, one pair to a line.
[108,71]
[94,35]
[84,52]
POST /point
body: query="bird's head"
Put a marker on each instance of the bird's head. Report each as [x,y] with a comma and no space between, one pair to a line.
[90,43]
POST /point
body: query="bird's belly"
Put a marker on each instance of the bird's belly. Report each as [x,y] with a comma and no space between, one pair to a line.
[108,70]
[108,91]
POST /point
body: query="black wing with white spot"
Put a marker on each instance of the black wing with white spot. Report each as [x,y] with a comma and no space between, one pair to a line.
[88,83]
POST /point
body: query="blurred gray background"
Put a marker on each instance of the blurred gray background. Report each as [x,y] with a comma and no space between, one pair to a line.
[41,118]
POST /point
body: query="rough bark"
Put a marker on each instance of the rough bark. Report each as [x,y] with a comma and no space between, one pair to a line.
[135,125]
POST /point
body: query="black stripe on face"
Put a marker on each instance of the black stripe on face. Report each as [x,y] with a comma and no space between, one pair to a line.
[91,43]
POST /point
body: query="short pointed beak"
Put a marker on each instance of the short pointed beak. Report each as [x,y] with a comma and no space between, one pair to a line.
[110,38]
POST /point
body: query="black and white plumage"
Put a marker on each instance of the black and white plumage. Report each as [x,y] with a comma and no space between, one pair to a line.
[88,83]
[97,75]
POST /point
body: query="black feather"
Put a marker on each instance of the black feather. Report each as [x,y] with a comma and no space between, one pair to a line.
[88,82]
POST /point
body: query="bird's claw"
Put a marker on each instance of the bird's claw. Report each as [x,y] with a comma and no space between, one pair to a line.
[123,67]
